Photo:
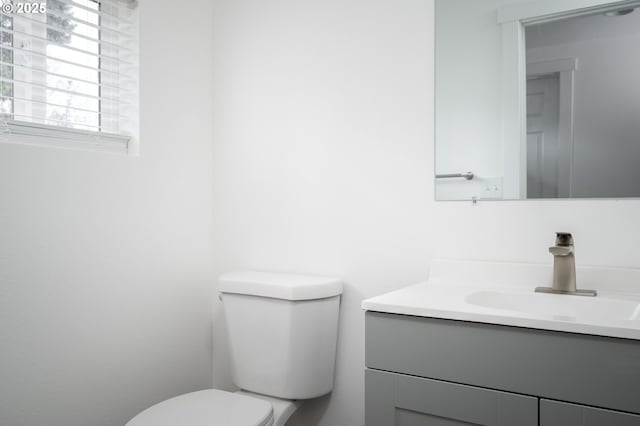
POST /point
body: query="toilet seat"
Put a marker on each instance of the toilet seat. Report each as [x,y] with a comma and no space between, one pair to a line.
[210,407]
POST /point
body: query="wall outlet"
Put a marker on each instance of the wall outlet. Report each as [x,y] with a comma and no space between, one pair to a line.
[490,188]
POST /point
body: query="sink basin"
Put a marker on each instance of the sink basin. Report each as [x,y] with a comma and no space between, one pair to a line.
[558,307]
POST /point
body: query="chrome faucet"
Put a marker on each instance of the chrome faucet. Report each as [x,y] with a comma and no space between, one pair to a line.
[564,268]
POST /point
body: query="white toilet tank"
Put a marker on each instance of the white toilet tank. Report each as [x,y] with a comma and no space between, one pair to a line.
[282,332]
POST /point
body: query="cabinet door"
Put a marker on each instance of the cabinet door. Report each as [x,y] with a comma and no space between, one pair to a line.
[553,413]
[393,399]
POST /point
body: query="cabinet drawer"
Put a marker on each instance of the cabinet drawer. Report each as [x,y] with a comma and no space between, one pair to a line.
[593,370]
[398,400]
[553,413]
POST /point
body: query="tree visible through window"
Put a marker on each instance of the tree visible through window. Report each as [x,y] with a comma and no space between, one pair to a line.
[73,64]
[6,68]
[61,26]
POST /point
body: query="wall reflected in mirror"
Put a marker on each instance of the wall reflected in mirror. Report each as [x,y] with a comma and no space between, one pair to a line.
[582,104]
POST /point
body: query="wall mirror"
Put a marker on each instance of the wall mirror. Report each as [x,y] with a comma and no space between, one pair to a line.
[537,99]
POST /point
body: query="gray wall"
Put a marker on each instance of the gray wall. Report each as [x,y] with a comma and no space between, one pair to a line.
[607,99]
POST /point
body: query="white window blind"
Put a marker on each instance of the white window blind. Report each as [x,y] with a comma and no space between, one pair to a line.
[69,75]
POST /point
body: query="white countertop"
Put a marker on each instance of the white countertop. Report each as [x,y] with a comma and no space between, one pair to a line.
[466,291]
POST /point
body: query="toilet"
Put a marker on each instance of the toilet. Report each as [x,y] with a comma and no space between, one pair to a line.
[282,332]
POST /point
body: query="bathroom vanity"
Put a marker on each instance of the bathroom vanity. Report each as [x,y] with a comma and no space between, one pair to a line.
[434,356]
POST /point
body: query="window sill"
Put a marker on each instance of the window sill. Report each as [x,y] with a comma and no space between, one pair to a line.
[24,133]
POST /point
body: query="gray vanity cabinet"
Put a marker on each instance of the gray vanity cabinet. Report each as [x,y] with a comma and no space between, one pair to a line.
[554,413]
[432,372]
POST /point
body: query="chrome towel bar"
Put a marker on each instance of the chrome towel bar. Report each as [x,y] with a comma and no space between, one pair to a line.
[467,176]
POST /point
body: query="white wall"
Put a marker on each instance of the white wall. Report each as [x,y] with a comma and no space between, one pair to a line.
[469,68]
[323,161]
[323,143]
[105,276]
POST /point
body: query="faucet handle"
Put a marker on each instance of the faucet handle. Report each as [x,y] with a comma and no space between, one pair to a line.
[564,239]
[561,250]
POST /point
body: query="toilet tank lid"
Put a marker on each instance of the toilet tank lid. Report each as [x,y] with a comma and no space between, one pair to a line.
[279,286]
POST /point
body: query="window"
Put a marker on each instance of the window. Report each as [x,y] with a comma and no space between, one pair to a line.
[68,73]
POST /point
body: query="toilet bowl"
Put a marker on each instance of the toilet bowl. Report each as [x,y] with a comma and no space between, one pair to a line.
[207,408]
[282,338]
[213,407]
